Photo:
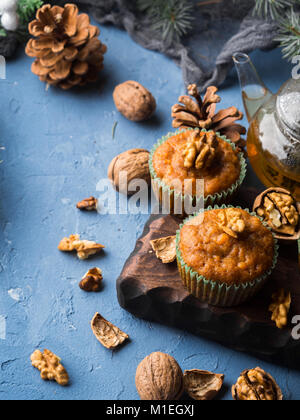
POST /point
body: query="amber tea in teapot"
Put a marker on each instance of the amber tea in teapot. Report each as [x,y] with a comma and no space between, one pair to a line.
[273,141]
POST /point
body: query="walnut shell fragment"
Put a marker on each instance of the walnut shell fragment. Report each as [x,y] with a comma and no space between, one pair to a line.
[165,249]
[92,280]
[50,367]
[280,308]
[127,169]
[202,385]
[134,101]
[88,204]
[84,248]
[106,333]
[256,385]
[159,377]
[281,211]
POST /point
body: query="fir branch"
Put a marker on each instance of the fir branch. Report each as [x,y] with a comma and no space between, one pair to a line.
[289,34]
[27,8]
[272,8]
[171,18]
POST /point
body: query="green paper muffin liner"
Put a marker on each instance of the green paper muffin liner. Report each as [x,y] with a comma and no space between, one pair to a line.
[179,201]
[213,292]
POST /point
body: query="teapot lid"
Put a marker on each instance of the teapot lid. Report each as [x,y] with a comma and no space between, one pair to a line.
[288,110]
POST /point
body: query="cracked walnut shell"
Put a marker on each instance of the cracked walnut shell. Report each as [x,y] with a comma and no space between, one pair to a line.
[256,385]
[202,385]
[280,210]
[134,101]
[92,280]
[280,308]
[128,169]
[84,248]
[159,377]
[50,367]
[106,333]
[165,249]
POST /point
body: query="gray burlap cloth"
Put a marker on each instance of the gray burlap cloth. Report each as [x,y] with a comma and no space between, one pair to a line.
[205,56]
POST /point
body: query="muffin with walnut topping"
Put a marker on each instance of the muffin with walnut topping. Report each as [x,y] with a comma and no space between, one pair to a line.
[225,255]
[180,160]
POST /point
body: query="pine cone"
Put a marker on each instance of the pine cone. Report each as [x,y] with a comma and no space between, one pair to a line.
[202,113]
[67,49]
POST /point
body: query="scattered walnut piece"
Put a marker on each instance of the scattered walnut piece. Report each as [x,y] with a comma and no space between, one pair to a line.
[280,308]
[88,204]
[202,385]
[200,150]
[280,211]
[83,248]
[232,222]
[159,377]
[50,367]
[106,333]
[165,249]
[256,385]
[92,280]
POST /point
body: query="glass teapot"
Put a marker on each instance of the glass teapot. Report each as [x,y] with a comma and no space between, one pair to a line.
[273,141]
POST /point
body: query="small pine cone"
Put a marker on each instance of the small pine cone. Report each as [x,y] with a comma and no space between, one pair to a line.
[66,47]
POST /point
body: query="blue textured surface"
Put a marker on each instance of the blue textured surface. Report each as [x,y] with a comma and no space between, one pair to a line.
[57,146]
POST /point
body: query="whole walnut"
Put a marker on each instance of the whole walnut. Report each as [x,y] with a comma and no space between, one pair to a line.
[134,101]
[135,165]
[256,385]
[159,377]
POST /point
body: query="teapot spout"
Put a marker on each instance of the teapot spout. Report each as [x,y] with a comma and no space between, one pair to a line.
[254,92]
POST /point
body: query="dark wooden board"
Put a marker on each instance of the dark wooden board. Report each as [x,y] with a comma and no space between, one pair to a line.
[153,291]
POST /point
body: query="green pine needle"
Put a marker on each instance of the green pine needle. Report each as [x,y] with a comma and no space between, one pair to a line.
[27,8]
[272,8]
[172,19]
[289,35]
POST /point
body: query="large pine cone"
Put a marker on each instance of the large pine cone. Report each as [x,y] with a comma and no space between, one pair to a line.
[67,49]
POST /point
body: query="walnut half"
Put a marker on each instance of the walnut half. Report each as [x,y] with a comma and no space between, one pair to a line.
[83,248]
[202,385]
[231,221]
[280,210]
[200,150]
[50,367]
[280,308]
[256,385]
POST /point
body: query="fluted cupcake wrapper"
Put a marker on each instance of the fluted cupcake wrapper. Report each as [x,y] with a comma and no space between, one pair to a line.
[215,293]
[178,202]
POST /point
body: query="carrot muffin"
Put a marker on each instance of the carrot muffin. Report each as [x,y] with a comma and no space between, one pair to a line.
[179,160]
[225,255]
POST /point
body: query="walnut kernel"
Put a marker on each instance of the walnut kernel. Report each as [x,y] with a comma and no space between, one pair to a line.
[280,308]
[165,248]
[232,222]
[88,204]
[200,150]
[256,385]
[50,367]
[106,333]
[92,280]
[83,248]
[134,101]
